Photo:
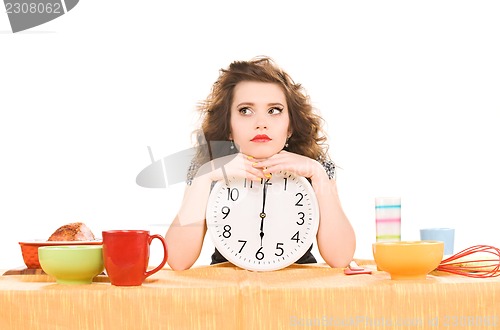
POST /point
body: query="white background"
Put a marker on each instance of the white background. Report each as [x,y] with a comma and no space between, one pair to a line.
[409,91]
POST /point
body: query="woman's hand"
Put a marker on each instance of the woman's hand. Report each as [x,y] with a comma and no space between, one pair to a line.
[289,161]
[237,165]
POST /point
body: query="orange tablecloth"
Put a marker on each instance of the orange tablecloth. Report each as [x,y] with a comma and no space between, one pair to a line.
[226,297]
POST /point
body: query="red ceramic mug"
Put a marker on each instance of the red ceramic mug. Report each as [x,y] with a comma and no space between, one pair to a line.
[126,256]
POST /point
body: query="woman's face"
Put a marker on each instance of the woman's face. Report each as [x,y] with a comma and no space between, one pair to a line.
[259,118]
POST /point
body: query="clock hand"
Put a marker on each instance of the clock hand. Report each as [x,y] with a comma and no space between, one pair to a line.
[263,213]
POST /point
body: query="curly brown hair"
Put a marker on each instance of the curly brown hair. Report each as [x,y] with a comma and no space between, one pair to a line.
[308,138]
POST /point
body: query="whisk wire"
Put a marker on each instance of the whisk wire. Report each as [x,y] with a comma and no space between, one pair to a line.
[473,268]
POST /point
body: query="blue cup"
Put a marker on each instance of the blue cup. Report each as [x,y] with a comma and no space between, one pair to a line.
[446,235]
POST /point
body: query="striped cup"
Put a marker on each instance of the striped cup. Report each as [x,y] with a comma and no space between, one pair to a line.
[388,219]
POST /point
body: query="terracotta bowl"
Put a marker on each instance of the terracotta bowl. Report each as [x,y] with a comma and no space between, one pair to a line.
[29,249]
[408,260]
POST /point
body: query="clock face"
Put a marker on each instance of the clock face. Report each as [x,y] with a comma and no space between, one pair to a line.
[266,225]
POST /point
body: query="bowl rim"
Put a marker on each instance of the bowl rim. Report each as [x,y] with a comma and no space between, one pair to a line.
[70,247]
[410,243]
[56,243]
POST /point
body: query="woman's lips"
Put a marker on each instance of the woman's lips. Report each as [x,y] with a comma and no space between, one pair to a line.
[261,138]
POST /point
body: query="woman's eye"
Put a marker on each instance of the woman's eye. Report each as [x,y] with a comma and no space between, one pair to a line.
[275,111]
[245,111]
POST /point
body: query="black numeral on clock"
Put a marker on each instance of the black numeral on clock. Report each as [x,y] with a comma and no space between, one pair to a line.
[245,184]
[300,199]
[301,216]
[259,255]
[232,194]
[225,210]
[227,231]
[278,247]
[244,242]
[295,237]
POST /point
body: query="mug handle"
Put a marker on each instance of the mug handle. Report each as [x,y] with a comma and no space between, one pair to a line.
[165,254]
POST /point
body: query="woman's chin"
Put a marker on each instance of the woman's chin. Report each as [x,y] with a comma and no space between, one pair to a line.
[261,150]
[261,154]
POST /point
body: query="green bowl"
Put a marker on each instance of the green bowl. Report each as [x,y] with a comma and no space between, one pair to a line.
[72,264]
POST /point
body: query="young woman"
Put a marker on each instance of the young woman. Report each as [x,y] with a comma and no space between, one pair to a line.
[269,125]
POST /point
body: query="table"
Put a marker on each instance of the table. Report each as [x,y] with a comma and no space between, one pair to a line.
[226,297]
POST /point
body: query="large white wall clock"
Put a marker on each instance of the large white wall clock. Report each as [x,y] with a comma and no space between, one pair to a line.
[266,225]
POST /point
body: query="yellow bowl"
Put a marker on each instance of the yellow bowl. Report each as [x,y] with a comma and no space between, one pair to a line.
[408,260]
[72,264]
